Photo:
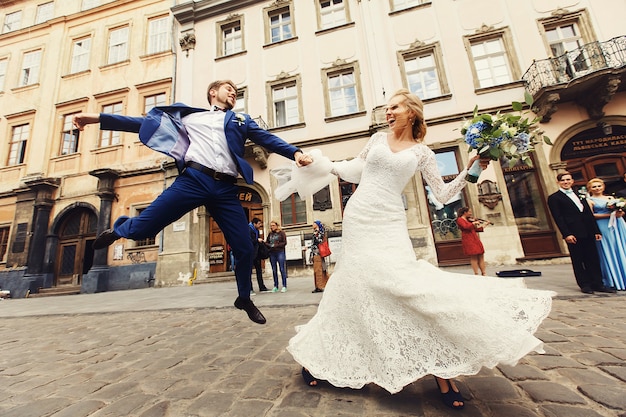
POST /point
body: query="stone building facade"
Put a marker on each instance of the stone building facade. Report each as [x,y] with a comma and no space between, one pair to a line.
[318,74]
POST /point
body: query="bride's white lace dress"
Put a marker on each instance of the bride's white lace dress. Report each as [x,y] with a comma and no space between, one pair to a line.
[389,319]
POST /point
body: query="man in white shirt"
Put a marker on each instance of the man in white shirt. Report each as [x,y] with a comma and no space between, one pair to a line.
[208,147]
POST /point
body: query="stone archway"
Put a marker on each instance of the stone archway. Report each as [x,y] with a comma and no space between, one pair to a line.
[75,230]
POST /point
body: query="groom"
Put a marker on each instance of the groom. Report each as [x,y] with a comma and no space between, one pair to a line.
[208,147]
[579,229]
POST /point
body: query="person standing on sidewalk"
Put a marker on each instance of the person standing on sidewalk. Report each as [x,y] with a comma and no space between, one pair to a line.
[277,240]
[208,148]
[612,247]
[255,225]
[470,242]
[579,229]
[320,274]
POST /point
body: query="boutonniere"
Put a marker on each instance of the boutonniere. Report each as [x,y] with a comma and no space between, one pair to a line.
[239,119]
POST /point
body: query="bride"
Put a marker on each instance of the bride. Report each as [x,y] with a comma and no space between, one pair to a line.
[389,319]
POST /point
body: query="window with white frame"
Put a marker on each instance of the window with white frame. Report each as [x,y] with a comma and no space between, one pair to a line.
[45,12]
[280,25]
[109,137]
[81,51]
[240,104]
[342,92]
[3,72]
[154,100]
[566,36]
[89,4]
[332,13]
[69,136]
[422,70]
[491,62]
[562,39]
[31,64]
[118,45]
[17,147]
[566,40]
[12,21]
[232,38]
[285,101]
[405,4]
[158,35]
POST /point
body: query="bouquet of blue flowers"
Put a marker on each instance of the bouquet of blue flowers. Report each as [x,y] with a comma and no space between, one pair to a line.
[510,136]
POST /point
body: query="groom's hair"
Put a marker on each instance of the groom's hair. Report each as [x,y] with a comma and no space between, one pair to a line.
[560,176]
[216,85]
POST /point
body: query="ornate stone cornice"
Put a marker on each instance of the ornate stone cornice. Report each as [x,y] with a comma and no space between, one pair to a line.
[600,96]
[187,42]
[546,106]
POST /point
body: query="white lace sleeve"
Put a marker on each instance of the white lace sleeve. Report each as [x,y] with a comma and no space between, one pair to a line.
[350,170]
[430,172]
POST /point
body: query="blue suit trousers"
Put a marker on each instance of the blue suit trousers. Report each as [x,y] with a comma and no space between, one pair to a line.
[192,189]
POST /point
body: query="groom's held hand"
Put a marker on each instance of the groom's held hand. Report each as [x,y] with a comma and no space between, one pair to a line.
[302,159]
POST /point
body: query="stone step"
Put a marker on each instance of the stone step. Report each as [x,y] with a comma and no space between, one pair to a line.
[55,291]
[207,278]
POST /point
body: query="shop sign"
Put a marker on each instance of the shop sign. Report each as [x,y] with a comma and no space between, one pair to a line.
[216,255]
[246,195]
[593,142]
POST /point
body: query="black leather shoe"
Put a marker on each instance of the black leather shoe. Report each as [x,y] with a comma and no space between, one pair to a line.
[587,290]
[610,290]
[248,306]
[105,239]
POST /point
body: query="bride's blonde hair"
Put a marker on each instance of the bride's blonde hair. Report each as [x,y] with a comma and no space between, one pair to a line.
[416,106]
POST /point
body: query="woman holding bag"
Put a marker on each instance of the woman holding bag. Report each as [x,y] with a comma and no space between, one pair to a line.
[319,251]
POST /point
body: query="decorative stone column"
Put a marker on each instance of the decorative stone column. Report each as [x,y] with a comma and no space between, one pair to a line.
[97,278]
[43,189]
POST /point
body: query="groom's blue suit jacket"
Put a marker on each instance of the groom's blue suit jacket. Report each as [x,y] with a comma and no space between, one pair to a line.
[162,130]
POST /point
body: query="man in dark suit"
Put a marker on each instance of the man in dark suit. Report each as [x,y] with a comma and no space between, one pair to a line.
[579,229]
[255,225]
[208,148]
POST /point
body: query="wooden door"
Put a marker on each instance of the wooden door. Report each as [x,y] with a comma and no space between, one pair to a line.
[75,255]
[219,256]
[217,248]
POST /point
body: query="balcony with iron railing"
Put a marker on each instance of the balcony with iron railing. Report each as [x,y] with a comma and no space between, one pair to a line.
[589,75]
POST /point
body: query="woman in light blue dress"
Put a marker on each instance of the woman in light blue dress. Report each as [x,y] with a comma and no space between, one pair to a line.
[612,247]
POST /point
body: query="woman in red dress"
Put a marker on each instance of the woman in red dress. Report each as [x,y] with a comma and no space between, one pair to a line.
[472,246]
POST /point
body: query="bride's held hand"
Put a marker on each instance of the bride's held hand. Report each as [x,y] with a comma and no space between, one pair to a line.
[484,162]
[302,159]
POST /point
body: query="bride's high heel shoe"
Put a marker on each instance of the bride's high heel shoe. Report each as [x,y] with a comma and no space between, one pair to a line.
[450,396]
[308,378]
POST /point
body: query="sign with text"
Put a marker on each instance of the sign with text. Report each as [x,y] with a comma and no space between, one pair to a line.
[593,142]
[293,250]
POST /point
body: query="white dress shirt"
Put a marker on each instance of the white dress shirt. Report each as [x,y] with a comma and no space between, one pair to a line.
[208,144]
[572,195]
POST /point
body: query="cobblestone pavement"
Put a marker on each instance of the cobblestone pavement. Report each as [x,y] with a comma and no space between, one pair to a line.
[186,352]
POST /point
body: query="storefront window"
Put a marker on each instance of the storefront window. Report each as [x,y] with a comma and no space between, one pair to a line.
[443,215]
[526,198]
